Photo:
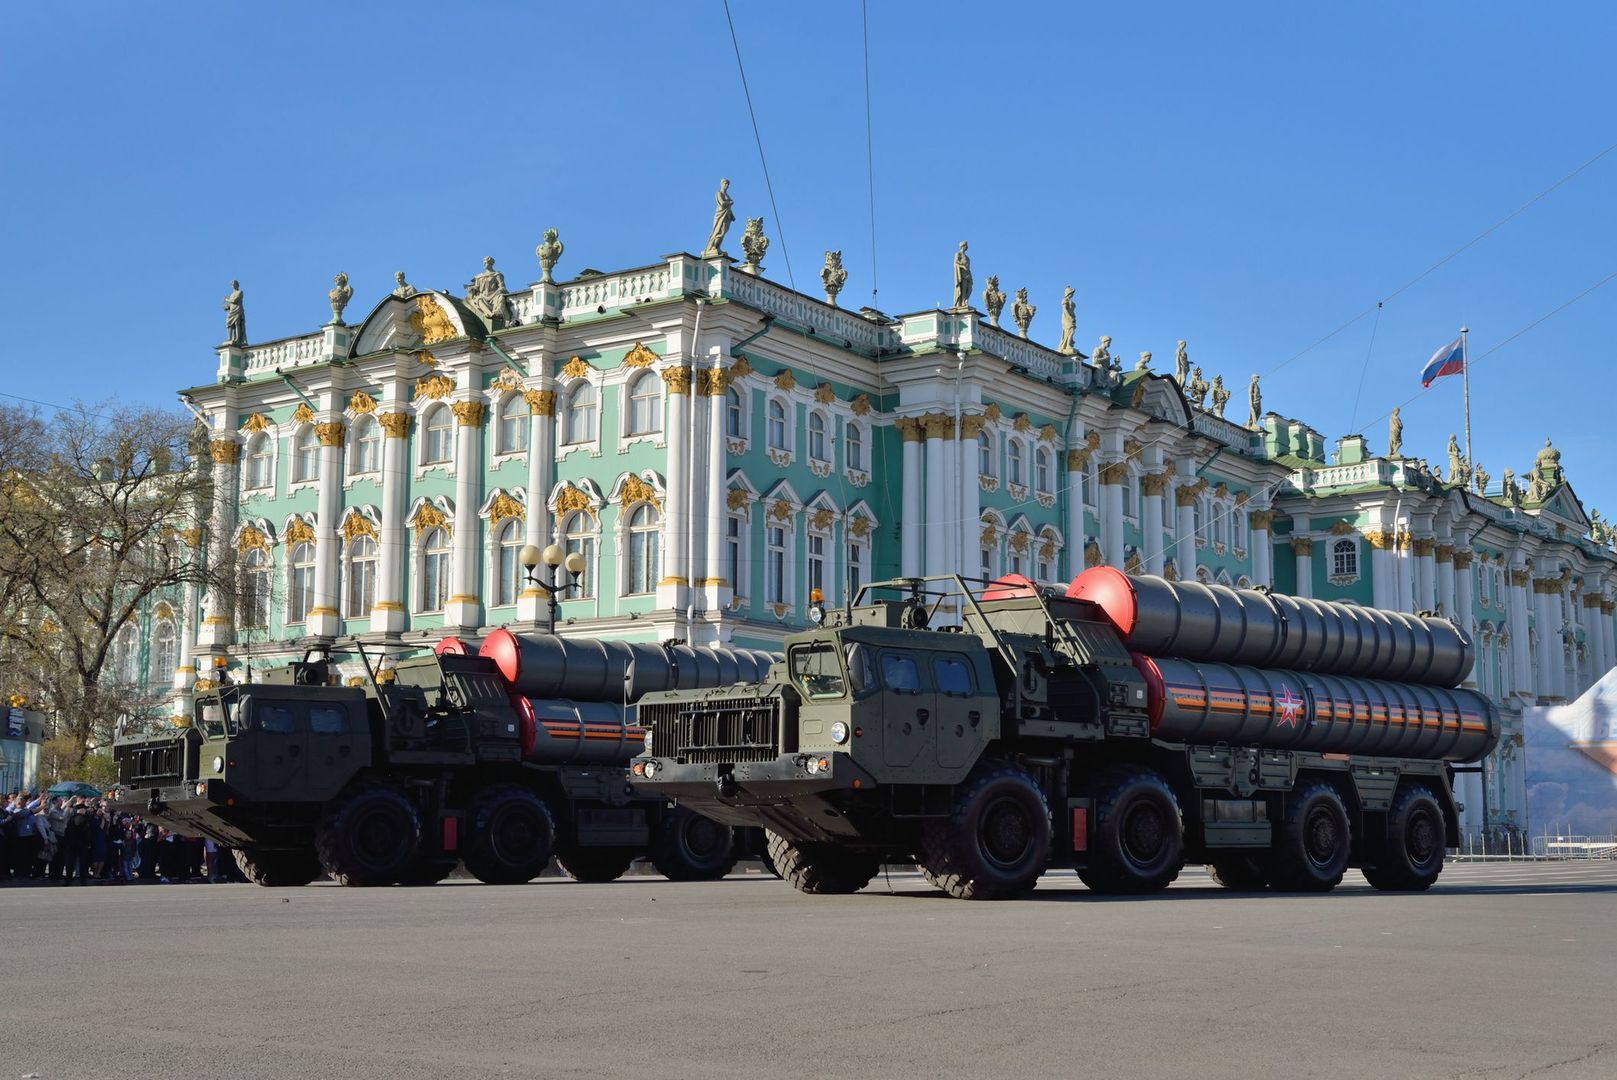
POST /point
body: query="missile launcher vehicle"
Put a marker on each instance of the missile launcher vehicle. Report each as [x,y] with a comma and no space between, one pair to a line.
[1120,727]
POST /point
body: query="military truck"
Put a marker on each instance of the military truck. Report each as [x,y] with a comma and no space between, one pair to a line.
[433,762]
[1120,727]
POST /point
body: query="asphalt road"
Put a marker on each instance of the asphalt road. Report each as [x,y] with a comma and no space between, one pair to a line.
[1501,971]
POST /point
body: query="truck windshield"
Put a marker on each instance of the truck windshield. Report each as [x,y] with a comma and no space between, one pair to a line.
[817,670]
[217,717]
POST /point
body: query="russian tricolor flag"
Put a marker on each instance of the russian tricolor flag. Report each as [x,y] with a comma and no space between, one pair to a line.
[1449,360]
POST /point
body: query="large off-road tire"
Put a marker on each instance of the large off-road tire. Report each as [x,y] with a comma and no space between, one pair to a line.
[821,869]
[511,838]
[1411,854]
[428,871]
[1137,843]
[370,838]
[596,864]
[996,840]
[690,847]
[278,869]
[1243,873]
[1313,843]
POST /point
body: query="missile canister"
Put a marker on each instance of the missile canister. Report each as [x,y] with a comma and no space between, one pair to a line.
[1192,621]
[577,732]
[585,669]
[1213,703]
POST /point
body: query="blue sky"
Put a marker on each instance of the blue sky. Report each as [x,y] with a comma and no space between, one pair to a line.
[1248,177]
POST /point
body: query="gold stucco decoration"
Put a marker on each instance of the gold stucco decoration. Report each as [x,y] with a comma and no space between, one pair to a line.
[1047,549]
[1114,472]
[824,394]
[355,526]
[1048,433]
[396,424]
[298,532]
[469,413]
[572,499]
[506,380]
[255,423]
[1262,519]
[252,539]
[361,402]
[428,517]
[575,368]
[540,402]
[938,425]
[639,356]
[1019,542]
[822,519]
[1154,483]
[303,414]
[711,383]
[989,536]
[909,428]
[636,490]
[860,405]
[192,537]
[163,610]
[330,434]
[780,510]
[434,386]
[785,380]
[971,426]
[1092,552]
[430,322]
[224,451]
[1341,528]
[992,411]
[860,527]
[1022,423]
[678,379]
[504,508]
[741,368]
[1302,545]
[737,498]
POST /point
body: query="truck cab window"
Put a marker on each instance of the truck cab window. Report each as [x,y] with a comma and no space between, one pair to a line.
[274,718]
[900,673]
[953,675]
[861,676]
[817,670]
[327,720]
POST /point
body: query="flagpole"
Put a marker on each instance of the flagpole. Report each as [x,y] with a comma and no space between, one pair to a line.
[1465,369]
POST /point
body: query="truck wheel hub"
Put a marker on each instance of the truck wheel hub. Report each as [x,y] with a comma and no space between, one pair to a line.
[1005,833]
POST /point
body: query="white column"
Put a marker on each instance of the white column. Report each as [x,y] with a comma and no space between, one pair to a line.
[1425,576]
[912,527]
[1113,475]
[226,451]
[1446,579]
[1262,548]
[1077,462]
[969,508]
[718,458]
[1461,595]
[325,617]
[1302,548]
[1383,568]
[185,670]
[1152,485]
[1184,497]
[1549,637]
[388,612]
[1403,559]
[465,607]
[1609,635]
[1516,611]
[671,589]
[939,432]
[537,527]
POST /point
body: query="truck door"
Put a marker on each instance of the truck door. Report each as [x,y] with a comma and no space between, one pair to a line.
[278,744]
[959,709]
[909,705]
[334,746]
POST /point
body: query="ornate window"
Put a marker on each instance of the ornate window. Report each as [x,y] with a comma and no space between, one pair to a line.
[985,455]
[299,583]
[435,552]
[255,590]
[512,435]
[1345,557]
[436,435]
[260,460]
[734,418]
[816,437]
[645,404]
[1013,462]
[305,456]
[128,655]
[365,437]
[164,653]
[776,584]
[578,422]
[361,593]
[578,534]
[1041,470]
[734,533]
[816,563]
[508,571]
[642,572]
[853,445]
[777,425]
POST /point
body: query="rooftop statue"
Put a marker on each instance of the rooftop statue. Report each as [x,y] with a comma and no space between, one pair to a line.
[1144,362]
[1221,395]
[993,299]
[962,279]
[1548,463]
[1102,356]
[235,317]
[1069,323]
[402,289]
[1511,491]
[1479,479]
[549,252]
[1254,402]
[1454,458]
[832,276]
[1395,433]
[1022,311]
[339,296]
[753,245]
[1197,390]
[723,217]
[1181,366]
[485,294]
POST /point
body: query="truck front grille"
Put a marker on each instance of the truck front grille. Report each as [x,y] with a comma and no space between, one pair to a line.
[717,732]
[148,766]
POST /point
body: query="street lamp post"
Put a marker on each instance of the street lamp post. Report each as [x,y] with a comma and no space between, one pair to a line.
[554,558]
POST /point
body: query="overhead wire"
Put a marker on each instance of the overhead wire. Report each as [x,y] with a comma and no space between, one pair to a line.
[780,226]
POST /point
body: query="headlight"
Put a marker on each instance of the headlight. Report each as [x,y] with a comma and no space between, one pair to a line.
[839,732]
[647,740]
[218,764]
[651,769]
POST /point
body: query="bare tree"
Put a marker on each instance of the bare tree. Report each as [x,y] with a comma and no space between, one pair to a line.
[100,513]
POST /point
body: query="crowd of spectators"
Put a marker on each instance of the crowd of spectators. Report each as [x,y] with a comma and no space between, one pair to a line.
[56,840]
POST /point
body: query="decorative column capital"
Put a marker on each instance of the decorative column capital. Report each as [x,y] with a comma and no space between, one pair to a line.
[1381,541]
[909,428]
[1078,460]
[540,402]
[678,379]
[395,424]
[224,451]
[1154,483]
[1424,546]
[712,383]
[469,413]
[938,425]
[1261,520]
[1520,577]
[1445,553]
[331,434]
[1186,494]
[1462,559]
[1302,545]
[971,425]
[1114,472]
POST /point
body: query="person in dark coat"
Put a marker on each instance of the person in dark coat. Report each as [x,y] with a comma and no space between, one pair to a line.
[149,845]
[78,839]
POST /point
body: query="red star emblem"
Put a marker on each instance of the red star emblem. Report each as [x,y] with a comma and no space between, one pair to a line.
[1288,707]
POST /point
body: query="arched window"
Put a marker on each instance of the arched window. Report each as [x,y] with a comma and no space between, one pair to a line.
[361,577]
[1013,463]
[643,570]
[1045,564]
[165,653]
[816,430]
[255,589]
[1041,470]
[434,570]
[734,418]
[300,583]
[128,655]
[775,564]
[777,425]
[1345,557]
[366,440]
[512,437]
[985,454]
[578,534]
[578,425]
[853,445]
[1016,553]
[437,435]
[305,456]
[508,572]
[258,462]
[646,404]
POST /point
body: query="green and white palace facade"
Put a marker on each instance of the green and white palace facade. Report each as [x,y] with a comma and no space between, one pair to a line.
[717,445]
